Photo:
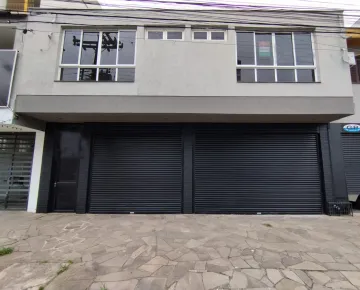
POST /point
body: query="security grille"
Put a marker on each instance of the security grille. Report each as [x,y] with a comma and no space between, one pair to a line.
[16,154]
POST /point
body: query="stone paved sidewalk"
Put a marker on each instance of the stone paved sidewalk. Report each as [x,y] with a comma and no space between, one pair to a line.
[179,252]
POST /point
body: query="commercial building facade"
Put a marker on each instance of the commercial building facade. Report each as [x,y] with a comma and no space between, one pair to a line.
[185,111]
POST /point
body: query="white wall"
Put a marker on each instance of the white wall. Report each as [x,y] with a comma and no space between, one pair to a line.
[35,171]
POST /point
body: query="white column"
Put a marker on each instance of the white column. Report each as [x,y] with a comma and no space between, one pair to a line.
[36,171]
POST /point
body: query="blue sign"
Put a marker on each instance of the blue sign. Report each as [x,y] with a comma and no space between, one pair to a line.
[352,128]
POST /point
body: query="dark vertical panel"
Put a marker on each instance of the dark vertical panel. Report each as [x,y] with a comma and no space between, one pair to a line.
[46,168]
[351,154]
[188,169]
[326,163]
[337,163]
[83,178]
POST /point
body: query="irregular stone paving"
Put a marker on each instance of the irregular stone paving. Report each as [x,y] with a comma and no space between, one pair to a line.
[179,252]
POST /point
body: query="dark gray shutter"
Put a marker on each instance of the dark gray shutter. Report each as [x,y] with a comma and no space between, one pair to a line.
[351,151]
[240,171]
[16,154]
[136,169]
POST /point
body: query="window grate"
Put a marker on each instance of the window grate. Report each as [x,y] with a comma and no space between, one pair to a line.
[16,154]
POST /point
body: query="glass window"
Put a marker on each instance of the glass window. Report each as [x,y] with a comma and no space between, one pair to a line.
[245,48]
[127,47]
[355,71]
[70,53]
[108,47]
[174,35]
[303,48]
[266,75]
[200,34]
[87,74]
[264,52]
[126,75]
[102,56]
[286,75]
[246,75]
[90,46]
[306,75]
[68,74]
[284,49]
[293,62]
[7,58]
[107,74]
[155,34]
[217,35]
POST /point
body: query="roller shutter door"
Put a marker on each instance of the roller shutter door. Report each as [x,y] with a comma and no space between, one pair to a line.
[351,150]
[16,155]
[136,169]
[240,172]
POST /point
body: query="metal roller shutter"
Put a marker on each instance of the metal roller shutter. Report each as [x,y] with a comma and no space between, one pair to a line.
[351,151]
[240,172]
[16,155]
[137,169]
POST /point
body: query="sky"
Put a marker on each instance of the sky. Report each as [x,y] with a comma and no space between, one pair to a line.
[351,7]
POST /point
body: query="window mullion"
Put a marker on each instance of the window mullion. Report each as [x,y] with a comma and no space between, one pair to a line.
[294,55]
[117,54]
[255,57]
[274,54]
[98,57]
[314,56]
[80,52]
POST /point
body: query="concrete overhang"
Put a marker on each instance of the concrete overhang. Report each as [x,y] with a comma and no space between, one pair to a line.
[55,108]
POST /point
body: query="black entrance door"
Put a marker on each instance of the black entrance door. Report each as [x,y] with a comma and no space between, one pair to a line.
[66,166]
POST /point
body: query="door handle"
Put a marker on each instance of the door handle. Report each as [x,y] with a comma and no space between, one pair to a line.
[55,184]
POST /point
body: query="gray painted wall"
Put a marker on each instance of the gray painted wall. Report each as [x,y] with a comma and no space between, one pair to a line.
[181,69]
[356,117]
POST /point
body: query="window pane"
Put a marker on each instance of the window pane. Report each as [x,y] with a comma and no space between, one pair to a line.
[108,48]
[245,48]
[68,74]
[245,75]
[284,49]
[107,74]
[89,49]
[155,35]
[306,75]
[354,73]
[286,75]
[266,75]
[303,49]
[126,74]
[87,74]
[264,52]
[217,35]
[127,47]
[174,35]
[70,53]
[6,70]
[200,35]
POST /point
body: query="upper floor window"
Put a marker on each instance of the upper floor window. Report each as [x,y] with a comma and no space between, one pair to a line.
[169,34]
[7,68]
[275,57]
[98,56]
[209,35]
[355,71]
